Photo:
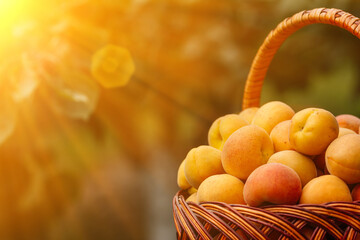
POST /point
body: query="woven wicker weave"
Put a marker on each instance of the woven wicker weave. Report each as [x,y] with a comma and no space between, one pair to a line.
[216,220]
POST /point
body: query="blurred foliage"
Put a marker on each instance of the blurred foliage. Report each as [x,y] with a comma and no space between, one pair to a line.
[80,161]
[335,91]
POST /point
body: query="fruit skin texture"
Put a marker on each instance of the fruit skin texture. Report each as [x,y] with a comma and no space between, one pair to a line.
[343,158]
[192,198]
[280,136]
[349,121]
[246,149]
[222,188]
[181,179]
[248,114]
[326,188]
[344,131]
[191,190]
[319,160]
[202,162]
[355,193]
[312,130]
[223,127]
[301,164]
[272,113]
[272,183]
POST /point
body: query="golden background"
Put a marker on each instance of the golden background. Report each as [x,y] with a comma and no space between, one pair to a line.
[79,160]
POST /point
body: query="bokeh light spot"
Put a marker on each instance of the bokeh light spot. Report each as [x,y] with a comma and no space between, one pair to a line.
[112,66]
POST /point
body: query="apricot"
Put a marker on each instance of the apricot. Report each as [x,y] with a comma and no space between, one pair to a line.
[312,130]
[272,183]
[221,188]
[349,121]
[280,136]
[301,164]
[192,198]
[272,113]
[248,113]
[246,149]
[202,162]
[181,179]
[323,189]
[223,127]
[343,158]
[355,193]
[191,190]
[344,131]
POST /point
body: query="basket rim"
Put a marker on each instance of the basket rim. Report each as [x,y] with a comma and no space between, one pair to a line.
[320,217]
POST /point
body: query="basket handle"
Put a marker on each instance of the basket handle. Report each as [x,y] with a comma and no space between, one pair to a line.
[277,36]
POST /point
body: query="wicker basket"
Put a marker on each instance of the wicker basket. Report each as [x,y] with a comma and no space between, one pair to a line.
[216,220]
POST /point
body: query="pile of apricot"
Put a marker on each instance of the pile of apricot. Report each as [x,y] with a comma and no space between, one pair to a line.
[274,155]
